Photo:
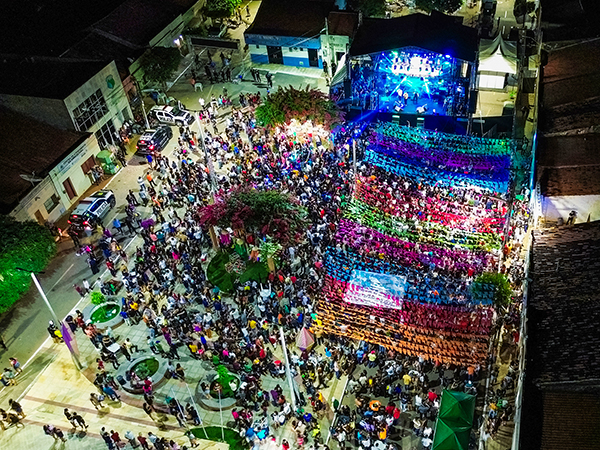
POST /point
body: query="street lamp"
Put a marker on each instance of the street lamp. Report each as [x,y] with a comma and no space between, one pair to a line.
[52,313]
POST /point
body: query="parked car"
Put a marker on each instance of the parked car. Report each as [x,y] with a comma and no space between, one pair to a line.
[172,115]
[91,210]
[154,140]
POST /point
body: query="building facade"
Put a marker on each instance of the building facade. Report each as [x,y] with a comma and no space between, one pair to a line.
[58,191]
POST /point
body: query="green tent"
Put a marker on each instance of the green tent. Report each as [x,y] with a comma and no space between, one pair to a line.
[454,422]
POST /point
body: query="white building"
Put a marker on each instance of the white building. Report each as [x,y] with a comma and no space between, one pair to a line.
[84,96]
[45,169]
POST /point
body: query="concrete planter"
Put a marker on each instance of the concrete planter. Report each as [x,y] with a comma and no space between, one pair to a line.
[94,311]
[212,401]
[158,375]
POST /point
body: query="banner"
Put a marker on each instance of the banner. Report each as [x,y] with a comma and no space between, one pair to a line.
[379,290]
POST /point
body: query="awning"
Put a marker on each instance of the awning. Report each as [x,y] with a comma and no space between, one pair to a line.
[341,74]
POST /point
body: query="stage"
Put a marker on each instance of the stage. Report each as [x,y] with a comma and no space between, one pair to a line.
[410,81]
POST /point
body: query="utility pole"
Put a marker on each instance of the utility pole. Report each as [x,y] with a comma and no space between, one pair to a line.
[139,92]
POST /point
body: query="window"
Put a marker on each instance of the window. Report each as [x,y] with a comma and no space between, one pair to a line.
[125,114]
[257,46]
[51,203]
[106,134]
[88,164]
[90,111]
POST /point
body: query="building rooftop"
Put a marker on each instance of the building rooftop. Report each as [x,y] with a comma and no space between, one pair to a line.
[342,23]
[46,77]
[564,304]
[52,28]
[568,156]
[137,22]
[561,406]
[297,18]
[437,33]
[570,92]
[28,146]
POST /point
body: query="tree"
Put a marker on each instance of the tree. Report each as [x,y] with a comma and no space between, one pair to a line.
[445,6]
[27,245]
[523,7]
[266,213]
[159,64]
[302,104]
[501,286]
[218,9]
[369,8]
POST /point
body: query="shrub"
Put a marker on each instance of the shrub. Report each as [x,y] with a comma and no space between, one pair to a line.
[27,245]
[502,289]
[97,298]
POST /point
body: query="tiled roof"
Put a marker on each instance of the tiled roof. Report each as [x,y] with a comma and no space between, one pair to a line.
[571,420]
[564,305]
[46,77]
[342,23]
[571,87]
[562,181]
[27,146]
[137,22]
[297,18]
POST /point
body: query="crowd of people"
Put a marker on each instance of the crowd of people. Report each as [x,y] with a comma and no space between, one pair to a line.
[164,285]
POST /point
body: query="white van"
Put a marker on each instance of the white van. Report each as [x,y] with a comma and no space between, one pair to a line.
[172,115]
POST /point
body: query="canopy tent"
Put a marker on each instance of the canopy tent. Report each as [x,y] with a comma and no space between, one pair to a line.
[498,63]
[454,422]
[341,74]
[497,58]
[487,47]
[304,339]
[448,437]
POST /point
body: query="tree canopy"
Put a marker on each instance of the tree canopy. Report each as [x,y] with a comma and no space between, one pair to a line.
[369,8]
[220,8]
[27,245]
[267,213]
[445,6]
[502,289]
[290,103]
[160,63]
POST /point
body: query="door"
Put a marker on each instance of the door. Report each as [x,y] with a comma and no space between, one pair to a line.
[313,57]
[40,219]
[275,55]
[69,189]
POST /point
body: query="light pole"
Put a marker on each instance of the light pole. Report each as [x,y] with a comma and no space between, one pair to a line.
[212,180]
[196,408]
[52,313]
[219,388]
[288,372]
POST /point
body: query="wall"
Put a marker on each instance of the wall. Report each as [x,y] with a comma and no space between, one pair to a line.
[295,56]
[555,207]
[292,56]
[47,110]
[34,201]
[332,45]
[115,97]
[171,32]
[70,167]
[282,41]
[258,54]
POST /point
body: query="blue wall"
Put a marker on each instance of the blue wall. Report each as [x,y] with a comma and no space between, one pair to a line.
[295,61]
[261,59]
